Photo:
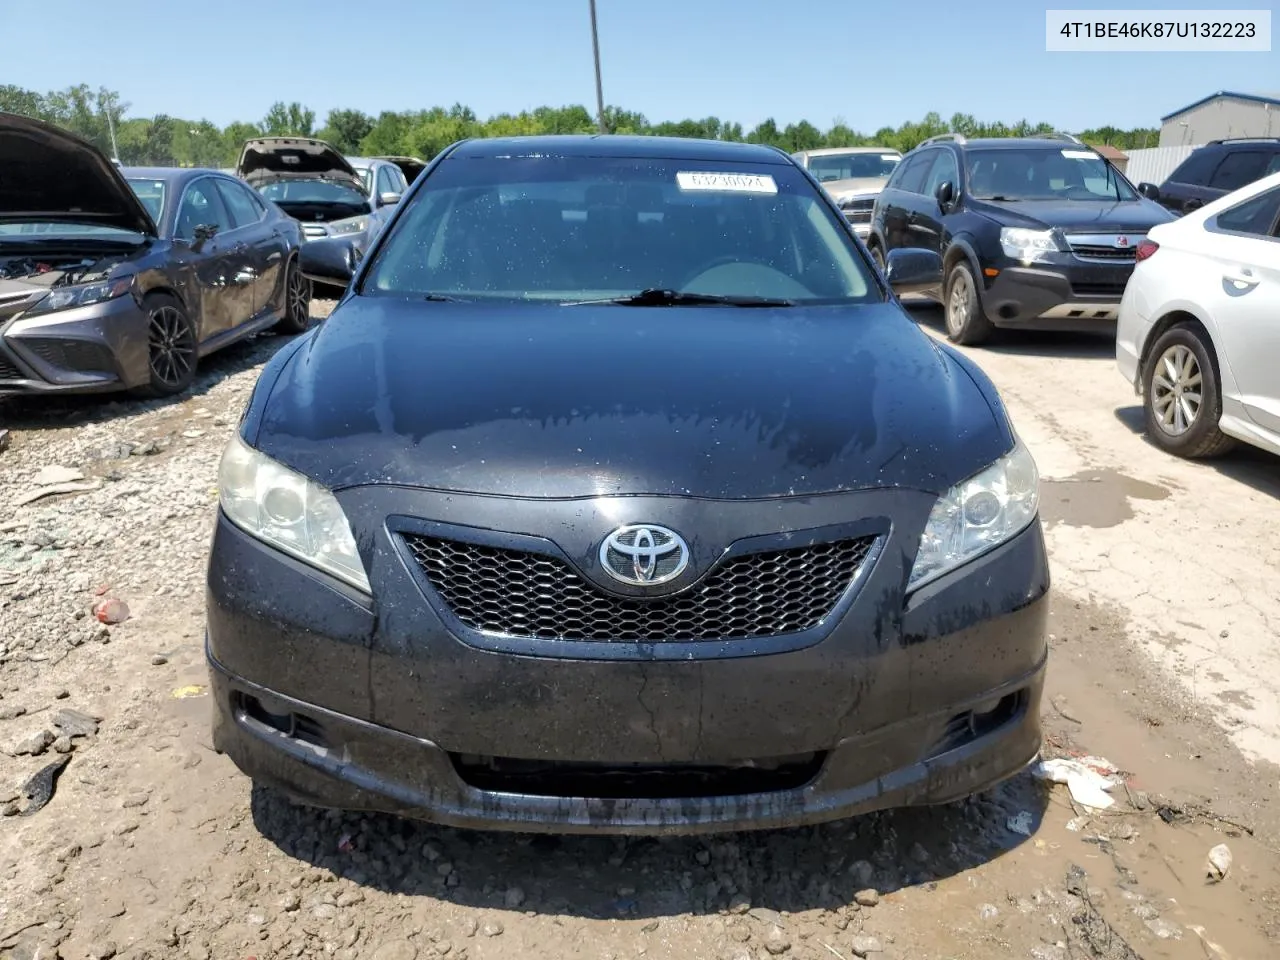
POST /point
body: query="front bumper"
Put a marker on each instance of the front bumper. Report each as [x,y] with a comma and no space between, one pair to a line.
[896,702]
[94,349]
[1066,295]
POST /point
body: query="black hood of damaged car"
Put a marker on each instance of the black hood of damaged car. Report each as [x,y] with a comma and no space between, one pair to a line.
[269,159]
[49,175]
[593,400]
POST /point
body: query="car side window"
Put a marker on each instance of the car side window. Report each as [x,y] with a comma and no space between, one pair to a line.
[944,170]
[385,183]
[201,206]
[1273,166]
[1197,169]
[917,168]
[1238,169]
[239,203]
[1256,216]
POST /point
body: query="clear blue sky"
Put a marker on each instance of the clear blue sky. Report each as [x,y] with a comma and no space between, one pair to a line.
[870,64]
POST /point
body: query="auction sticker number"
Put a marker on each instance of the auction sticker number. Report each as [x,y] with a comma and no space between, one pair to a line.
[726,182]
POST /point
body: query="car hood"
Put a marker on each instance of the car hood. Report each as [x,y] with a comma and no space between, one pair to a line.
[268,159]
[855,185]
[586,401]
[51,175]
[1075,216]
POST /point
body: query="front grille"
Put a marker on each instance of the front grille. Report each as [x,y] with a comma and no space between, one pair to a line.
[7,369]
[313,232]
[531,595]
[1086,251]
[79,355]
[1106,289]
[858,211]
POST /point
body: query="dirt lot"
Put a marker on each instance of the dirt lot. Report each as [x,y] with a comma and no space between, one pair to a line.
[1164,661]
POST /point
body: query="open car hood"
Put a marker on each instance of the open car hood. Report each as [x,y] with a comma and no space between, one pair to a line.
[48,174]
[268,159]
[409,166]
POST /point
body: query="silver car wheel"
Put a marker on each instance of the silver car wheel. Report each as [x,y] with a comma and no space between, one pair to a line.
[1176,390]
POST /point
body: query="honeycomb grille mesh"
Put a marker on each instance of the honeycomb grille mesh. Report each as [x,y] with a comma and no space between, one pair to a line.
[519,594]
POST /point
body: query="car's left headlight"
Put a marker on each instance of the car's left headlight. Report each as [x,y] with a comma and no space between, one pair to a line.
[286,510]
[341,228]
[989,508]
[1019,243]
[81,295]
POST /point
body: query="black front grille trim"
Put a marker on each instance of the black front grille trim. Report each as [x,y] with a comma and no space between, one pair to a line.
[517,593]
[1086,289]
[8,370]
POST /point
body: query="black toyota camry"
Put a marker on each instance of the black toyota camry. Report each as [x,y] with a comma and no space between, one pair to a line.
[619,494]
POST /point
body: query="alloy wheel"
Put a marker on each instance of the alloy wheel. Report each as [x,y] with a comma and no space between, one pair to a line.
[299,297]
[1176,394]
[958,303]
[172,346]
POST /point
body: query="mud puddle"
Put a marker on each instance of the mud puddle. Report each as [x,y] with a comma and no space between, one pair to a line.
[1094,498]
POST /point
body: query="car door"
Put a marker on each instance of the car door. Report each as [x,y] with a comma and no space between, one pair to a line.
[265,247]
[1245,250]
[928,223]
[217,262]
[900,197]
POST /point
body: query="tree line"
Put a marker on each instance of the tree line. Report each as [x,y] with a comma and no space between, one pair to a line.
[101,117]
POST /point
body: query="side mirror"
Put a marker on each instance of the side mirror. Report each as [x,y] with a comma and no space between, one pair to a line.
[1150,191]
[913,270]
[387,199]
[945,193]
[328,260]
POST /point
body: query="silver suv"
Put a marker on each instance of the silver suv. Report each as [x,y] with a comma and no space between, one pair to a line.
[853,176]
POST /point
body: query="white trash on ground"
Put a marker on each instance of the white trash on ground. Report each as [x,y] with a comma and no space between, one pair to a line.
[1219,862]
[1088,779]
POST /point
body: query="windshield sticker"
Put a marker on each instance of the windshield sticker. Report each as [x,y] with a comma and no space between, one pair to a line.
[726,182]
[889,157]
[1080,154]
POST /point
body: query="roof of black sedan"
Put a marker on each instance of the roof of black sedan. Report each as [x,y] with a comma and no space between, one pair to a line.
[615,145]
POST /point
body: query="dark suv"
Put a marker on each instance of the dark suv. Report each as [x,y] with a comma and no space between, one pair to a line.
[1034,233]
[1214,170]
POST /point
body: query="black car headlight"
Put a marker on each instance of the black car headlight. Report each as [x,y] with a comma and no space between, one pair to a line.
[286,510]
[990,508]
[81,295]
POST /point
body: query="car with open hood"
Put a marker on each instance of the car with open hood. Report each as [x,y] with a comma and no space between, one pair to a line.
[313,183]
[121,278]
[619,493]
[854,176]
[1035,233]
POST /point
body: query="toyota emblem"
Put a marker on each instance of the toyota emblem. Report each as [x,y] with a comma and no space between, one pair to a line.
[644,555]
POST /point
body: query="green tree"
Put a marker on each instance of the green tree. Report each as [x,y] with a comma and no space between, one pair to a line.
[289,120]
[345,129]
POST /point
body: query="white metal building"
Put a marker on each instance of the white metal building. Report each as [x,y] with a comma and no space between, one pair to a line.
[1220,116]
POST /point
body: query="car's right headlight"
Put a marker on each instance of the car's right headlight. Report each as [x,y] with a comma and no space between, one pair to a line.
[1019,243]
[341,228]
[977,514]
[283,508]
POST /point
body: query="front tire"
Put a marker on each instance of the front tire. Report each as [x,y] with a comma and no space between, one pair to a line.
[967,325]
[172,347]
[1181,398]
[297,301]
[877,257]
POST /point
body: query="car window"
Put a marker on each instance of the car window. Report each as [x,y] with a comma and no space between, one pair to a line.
[201,206]
[567,229]
[915,169]
[1198,168]
[944,170]
[1238,169]
[1040,173]
[849,166]
[366,177]
[151,193]
[1273,166]
[240,203]
[385,182]
[1257,215]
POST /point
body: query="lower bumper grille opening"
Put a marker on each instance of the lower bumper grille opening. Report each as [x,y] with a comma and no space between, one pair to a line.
[977,723]
[294,725]
[636,781]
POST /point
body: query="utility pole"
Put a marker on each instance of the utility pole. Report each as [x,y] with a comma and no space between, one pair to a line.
[111,128]
[595,46]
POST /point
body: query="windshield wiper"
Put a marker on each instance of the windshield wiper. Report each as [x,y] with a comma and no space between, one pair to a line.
[662,297]
[442,298]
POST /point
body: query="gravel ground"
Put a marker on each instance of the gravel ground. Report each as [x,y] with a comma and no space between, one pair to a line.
[152,846]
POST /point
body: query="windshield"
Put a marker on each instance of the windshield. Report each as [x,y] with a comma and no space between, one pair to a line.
[151,193]
[584,228]
[1044,174]
[850,166]
[52,229]
[366,177]
[310,191]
